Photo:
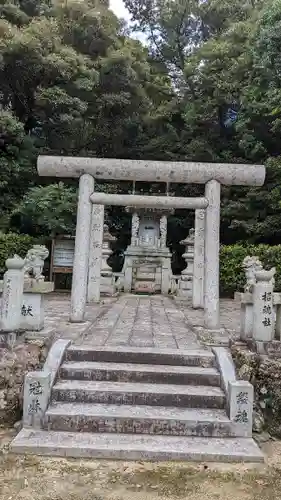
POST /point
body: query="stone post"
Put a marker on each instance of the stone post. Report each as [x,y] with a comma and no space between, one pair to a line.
[128,275]
[212,249]
[12,294]
[95,258]
[199,260]
[166,276]
[246,317]
[81,253]
[36,398]
[240,406]
[263,316]
[107,279]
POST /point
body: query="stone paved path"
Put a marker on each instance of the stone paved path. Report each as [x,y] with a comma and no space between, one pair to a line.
[140,321]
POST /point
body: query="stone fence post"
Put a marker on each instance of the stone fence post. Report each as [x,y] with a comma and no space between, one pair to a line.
[12,294]
[263,315]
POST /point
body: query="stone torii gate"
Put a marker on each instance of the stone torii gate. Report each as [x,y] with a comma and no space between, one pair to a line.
[90,214]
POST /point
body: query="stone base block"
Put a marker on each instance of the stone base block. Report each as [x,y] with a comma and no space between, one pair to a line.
[145,287]
[107,285]
[32,311]
[272,348]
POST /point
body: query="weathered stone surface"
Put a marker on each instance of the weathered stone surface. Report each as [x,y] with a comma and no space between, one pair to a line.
[136,447]
[135,394]
[151,171]
[142,355]
[95,255]
[240,405]
[212,247]
[164,202]
[32,311]
[36,398]
[225,366]
[160,420]
[133,372]
[82,248]
[14,364]
[12,295]
[199,260]
[263,318]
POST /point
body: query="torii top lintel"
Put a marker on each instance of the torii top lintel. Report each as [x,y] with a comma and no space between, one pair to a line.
[152,171]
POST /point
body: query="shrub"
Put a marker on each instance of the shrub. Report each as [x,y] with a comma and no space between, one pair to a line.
[11,243]
[232,276]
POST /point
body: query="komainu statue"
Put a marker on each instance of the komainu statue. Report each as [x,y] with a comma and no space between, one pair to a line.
[250,266]
[34,262]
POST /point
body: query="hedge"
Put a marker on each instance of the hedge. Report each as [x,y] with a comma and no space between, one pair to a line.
[11,243]
[232,275]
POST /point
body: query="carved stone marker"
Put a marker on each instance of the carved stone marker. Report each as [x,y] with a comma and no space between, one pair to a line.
[36,398]
[95,255]
[241,395]
[199,260]
[32,309]
[12,295]
[263,316]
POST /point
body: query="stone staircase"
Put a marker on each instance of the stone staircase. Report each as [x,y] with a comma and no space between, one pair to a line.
[131,403]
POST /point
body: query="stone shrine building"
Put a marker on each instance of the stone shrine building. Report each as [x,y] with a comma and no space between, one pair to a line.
[147,264]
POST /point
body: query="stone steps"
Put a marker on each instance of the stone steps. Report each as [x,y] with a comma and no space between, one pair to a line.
[131,403]
[138,394]
[139,419]
[136,447]
[133,372]
[151,356]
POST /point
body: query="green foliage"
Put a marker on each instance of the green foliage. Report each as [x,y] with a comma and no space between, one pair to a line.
[232,275]
[73,82]
[11,244]
[17,163]
[49,209]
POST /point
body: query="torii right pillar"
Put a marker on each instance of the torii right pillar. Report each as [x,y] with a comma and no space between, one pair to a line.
[212,256]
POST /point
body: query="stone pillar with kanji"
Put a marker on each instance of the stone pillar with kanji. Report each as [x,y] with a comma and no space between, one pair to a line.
[263,314]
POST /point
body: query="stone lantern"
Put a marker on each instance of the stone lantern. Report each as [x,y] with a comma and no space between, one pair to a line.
[107,278]
[185,282]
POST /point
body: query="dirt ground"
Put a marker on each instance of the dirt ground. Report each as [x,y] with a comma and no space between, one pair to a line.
[38,478]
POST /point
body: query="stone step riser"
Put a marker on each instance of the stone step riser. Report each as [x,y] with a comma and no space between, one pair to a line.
[135,447]
[151,399]
[149,358]
[84,423]
[139,376]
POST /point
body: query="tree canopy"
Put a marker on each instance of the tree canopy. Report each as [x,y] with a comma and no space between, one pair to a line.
[74,80]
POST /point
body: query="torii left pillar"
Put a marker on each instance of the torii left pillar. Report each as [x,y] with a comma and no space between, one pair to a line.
[82,248]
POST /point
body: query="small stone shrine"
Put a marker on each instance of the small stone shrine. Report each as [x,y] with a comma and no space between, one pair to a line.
[147,265]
